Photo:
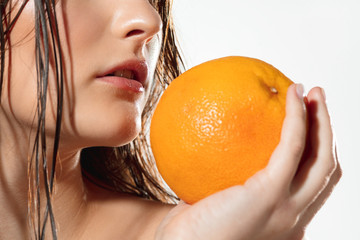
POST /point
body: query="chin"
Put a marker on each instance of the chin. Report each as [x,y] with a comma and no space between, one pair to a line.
[123,137]
[110,132]
[118,135]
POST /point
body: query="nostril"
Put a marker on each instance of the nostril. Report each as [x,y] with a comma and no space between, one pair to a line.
[134,32]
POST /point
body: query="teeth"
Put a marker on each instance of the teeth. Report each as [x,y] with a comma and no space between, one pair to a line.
[124,73]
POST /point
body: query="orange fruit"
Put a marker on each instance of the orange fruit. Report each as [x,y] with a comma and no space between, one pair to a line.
[217,124]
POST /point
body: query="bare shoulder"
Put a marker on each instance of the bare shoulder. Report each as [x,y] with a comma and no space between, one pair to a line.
[122,216]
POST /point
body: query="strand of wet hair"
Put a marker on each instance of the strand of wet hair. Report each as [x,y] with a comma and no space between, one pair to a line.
[43,75]
[51,13]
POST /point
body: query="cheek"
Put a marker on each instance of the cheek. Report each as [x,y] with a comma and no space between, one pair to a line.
[81,29]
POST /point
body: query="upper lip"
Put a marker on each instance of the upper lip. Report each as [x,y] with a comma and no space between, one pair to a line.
[139,69]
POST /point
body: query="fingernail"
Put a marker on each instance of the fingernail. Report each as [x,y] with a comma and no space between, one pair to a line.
[323,94]
[300,90]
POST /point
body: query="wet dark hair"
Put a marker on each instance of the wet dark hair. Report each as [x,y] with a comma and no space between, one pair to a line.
[127,169]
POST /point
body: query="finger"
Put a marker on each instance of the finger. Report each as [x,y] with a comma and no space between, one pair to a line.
[321,199]
[319,160]
[286,157]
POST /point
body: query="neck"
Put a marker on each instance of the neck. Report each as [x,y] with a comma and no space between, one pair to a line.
[69,195]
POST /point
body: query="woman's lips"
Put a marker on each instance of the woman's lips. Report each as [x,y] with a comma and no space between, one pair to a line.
[130,75]
[124,83]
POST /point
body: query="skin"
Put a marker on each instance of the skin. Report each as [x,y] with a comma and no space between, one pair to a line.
[296,183]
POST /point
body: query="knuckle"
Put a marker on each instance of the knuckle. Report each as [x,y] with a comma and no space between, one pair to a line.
[337,173]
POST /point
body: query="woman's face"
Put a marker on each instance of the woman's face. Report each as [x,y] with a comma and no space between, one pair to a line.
[110,50]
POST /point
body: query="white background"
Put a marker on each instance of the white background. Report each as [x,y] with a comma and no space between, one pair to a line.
[315,42]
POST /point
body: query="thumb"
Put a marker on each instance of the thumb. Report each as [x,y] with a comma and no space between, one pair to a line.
[285,159]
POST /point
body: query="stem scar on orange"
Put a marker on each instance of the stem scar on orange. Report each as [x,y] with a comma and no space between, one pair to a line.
[217,124]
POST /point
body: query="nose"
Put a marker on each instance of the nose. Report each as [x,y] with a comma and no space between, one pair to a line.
[136,20]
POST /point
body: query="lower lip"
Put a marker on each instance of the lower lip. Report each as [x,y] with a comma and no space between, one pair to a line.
[124,83]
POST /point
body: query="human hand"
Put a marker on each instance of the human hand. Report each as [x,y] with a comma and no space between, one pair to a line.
[279,201]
